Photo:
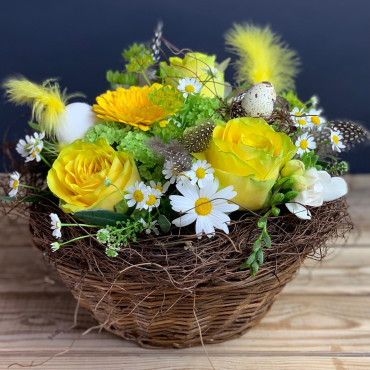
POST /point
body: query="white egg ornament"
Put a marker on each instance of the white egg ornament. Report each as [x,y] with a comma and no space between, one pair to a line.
[259,100]
[74,122]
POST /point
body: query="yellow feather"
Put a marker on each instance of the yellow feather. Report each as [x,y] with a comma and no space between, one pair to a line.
[262,57]
[47,100]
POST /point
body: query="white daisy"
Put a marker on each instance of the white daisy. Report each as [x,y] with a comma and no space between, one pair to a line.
[150,226]
[335,138]
[299,117]
[14,183]
[153,200]
[162,188]
[137,194]
[315,100]
[189,86]
[206,206]
[212,72]
[55,246]
[31,147]
[200,172]
[314,118]
[305,143]
[56,225]
[171,173]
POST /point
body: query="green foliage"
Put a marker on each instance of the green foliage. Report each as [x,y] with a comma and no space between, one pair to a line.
[100,217]
[112,131]
[164,223]
[293,100]
[118,78]
[119,235]
[334,167]
[139,58]
[310,160]
[168,97]
[22,199]
[198,108]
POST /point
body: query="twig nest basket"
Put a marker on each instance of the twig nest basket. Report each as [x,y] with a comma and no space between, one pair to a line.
[181,291]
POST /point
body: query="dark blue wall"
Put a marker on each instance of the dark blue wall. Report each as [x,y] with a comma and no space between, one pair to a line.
[78,40]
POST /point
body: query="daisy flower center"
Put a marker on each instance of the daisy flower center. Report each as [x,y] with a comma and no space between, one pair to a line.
[315,120]
[158,187]
[151,200]
[57,225]
[297,114]
[203,206]
[189,88]
[302,122]
[15,184]
[35,152]
[304,144]
[200,173]
[335,139]
[138,195]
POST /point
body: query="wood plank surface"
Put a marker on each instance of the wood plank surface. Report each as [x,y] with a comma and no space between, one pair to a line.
[320,321]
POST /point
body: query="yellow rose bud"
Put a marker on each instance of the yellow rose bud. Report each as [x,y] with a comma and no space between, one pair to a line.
[299,183]
[195,65]
[293,167]
[78,175]
[248,154]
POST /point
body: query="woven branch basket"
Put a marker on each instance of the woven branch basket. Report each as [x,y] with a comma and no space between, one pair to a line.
[179,291]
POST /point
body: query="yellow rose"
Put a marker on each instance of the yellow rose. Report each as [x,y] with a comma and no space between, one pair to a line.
[248,154]
[195,65]
[78,174]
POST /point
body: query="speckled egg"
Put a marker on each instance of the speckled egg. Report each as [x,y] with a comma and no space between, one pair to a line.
[259,100]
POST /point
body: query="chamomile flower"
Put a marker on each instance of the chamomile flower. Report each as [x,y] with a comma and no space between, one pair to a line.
[299,118]
[137,194]
[56,225]
[150,226]
[158,186]
[206,206]
[171,172]
[14,183]
[189,86]
[335,139]
[200,172]
[31,147]
[314,118]
[55,246]
[305,143]
[153,198]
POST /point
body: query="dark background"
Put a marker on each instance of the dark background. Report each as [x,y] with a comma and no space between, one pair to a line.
[78,41]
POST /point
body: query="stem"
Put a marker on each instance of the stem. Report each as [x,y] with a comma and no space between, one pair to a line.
[146,78]
[120,191]
[44,160]
[84,225]
[79,237]
[29,187]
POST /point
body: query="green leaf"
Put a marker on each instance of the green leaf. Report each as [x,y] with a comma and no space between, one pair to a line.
[251,259]
[25,199]
[290,195]
[35,126]
[100,217]
[254,268]
[260,256]
[261,222]
[121,206]
[278,198]
[276,211]
[257,244]
[164,224]
[288,183]
[266,238]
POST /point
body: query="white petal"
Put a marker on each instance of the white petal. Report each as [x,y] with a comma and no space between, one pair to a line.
[180,203]
[188,190]
[185,220]
[204,224]
[299,210]
[338,188]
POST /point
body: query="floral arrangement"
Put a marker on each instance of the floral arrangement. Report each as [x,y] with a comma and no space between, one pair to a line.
[171,143]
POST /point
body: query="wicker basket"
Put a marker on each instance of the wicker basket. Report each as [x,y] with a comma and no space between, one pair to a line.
[178,291]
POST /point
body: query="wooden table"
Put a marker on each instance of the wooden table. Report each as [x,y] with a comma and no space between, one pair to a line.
[320,321]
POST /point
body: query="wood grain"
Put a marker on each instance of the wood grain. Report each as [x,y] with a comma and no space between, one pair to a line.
[320,321]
